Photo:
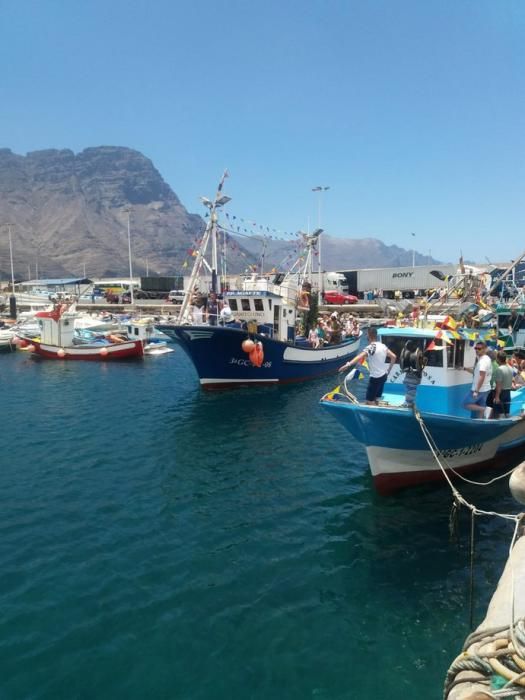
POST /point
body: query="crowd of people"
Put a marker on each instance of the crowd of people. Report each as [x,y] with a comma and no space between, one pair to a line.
[333,328]
[495,375]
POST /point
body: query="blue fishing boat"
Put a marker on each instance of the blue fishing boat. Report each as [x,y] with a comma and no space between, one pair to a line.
[254,339]
[259,347]
[409,445]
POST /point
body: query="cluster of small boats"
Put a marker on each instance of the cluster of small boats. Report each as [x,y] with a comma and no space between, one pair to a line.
[61,333]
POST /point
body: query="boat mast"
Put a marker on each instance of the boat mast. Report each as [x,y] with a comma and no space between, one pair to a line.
[506,272]
[210,232]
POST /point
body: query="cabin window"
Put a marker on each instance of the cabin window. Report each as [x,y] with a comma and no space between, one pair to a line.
[456,354]
[245,304]
[270,304]
[233,304]
[276,320]
[434,358]
[259,306]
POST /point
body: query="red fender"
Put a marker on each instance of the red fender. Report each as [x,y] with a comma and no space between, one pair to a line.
[257,355]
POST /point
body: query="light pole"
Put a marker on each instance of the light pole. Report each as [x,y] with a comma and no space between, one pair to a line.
[413,251]
[131,298]
[12,298]
[11,258]
[319,189]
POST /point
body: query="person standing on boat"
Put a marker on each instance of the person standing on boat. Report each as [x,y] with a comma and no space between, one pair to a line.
[476,399]
[375,354]
[502,386]
[411,362]
[212,309]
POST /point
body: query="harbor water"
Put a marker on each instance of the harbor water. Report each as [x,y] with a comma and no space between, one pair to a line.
[160,542]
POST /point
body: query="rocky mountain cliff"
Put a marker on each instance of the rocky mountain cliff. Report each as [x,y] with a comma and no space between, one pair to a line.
[69,215]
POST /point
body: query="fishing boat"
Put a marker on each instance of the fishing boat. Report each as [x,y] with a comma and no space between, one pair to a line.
[408,445]
[153,340]
[57,340]
[258,342]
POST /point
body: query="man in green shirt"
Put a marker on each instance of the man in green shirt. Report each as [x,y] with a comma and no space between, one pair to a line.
[502,386]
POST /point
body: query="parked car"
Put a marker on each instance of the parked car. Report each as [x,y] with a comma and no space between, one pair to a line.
[176,296]
[333,296]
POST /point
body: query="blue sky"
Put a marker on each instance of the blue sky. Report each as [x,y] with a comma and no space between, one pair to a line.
[412,111]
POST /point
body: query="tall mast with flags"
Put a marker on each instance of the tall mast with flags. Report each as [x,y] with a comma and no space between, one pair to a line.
[209,233]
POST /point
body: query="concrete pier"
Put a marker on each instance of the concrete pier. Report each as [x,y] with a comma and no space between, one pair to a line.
[488,644]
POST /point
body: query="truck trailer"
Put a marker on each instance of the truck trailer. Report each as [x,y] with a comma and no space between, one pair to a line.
[409,281]
[158,287]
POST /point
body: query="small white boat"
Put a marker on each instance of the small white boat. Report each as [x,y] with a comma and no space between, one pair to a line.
[57,340]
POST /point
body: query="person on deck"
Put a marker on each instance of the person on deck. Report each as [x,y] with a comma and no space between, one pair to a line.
[212,309]
[502,386]
[376,354]
[476,399]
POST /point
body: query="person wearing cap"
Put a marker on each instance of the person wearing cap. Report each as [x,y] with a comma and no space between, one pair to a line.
[476,399]
[226,314]
[376,354]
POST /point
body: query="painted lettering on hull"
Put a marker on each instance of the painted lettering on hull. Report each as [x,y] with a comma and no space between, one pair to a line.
[462,451]
[247,363]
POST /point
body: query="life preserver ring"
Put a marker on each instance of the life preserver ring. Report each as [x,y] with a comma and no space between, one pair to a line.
[257,355]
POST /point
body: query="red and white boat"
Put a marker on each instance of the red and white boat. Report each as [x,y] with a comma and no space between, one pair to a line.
[56,340]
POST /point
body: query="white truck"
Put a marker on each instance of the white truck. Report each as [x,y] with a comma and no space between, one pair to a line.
[335,281]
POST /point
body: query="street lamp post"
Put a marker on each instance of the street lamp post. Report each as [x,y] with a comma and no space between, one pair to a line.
[131,297]
[12,298]
[413,251]
[319,189]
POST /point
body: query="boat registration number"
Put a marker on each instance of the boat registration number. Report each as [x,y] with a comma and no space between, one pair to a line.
[247,363]
[462,451]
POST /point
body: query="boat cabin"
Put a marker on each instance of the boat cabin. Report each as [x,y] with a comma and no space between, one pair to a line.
[442,363]
[262,311]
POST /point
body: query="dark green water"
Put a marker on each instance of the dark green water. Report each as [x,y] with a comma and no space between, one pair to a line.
[160,542]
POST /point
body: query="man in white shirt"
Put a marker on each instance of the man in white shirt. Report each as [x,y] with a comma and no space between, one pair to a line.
[375,353]
[476,400]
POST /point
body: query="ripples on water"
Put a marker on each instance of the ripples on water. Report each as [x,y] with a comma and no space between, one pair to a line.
[160,542]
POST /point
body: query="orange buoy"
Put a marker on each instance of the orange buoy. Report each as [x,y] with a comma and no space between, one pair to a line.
[61,352]
[31,348]
[103,352]
[248,345]
[257,355]
[22,343]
